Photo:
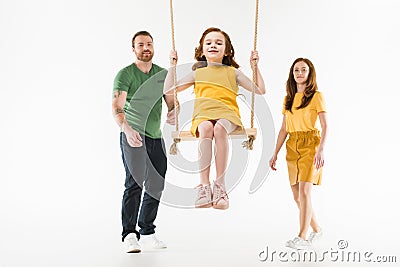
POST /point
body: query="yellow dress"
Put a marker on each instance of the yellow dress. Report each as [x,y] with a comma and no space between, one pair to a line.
[216,90]
[304,139]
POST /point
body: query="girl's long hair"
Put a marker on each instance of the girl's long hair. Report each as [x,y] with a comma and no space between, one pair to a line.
[291,86]
[228,60]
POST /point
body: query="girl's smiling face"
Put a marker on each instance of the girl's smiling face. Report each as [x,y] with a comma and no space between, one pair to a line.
[214,47]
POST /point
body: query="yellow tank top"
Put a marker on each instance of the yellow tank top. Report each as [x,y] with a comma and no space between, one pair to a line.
[216,90]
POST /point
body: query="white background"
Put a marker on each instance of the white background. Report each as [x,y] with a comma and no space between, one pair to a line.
[61,173]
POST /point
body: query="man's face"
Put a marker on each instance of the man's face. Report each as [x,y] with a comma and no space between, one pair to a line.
[143,48]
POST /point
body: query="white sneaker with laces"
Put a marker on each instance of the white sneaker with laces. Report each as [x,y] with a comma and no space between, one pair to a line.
[204,196]
[220,197]
[152,241]
[314,236]
[131,242]
[298,243]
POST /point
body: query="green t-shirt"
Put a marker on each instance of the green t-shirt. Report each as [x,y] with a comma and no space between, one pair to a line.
[144,100]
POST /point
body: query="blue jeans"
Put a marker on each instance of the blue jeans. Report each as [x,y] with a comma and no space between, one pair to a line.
[146,166]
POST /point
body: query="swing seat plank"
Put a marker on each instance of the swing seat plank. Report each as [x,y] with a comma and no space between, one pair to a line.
[238,134]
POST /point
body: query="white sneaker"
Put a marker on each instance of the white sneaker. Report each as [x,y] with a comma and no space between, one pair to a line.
[314,236]
[152,241]
[204,196]
[298,243]
[132,245]
[220,198]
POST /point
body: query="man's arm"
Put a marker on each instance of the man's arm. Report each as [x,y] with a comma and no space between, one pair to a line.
[169,100]
[118,103]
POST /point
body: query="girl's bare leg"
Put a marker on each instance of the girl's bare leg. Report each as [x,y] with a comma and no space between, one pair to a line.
[206,133]
[222,129]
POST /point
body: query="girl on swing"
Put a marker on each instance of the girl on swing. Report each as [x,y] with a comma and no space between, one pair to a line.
[216,78]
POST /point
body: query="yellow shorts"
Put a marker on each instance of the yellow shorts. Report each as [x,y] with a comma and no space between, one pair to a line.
[300,151]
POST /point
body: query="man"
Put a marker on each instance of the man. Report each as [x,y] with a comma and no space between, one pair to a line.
[137,105]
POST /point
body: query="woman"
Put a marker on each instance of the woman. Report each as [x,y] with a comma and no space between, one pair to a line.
[303,105]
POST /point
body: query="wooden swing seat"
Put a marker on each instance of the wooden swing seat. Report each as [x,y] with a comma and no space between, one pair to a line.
[237,134]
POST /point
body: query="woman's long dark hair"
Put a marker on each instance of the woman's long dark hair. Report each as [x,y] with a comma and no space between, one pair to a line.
[228,60]
[291,86]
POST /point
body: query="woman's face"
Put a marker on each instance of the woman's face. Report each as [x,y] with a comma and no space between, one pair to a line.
[300,72]
[214,47]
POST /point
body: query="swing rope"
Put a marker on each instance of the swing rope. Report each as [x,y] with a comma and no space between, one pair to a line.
[174,148]
[248,144]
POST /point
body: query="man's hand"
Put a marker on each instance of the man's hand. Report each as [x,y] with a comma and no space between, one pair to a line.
[171,116]
[133,137]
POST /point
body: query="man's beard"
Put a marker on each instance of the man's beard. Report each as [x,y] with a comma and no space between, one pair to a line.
[145,57]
